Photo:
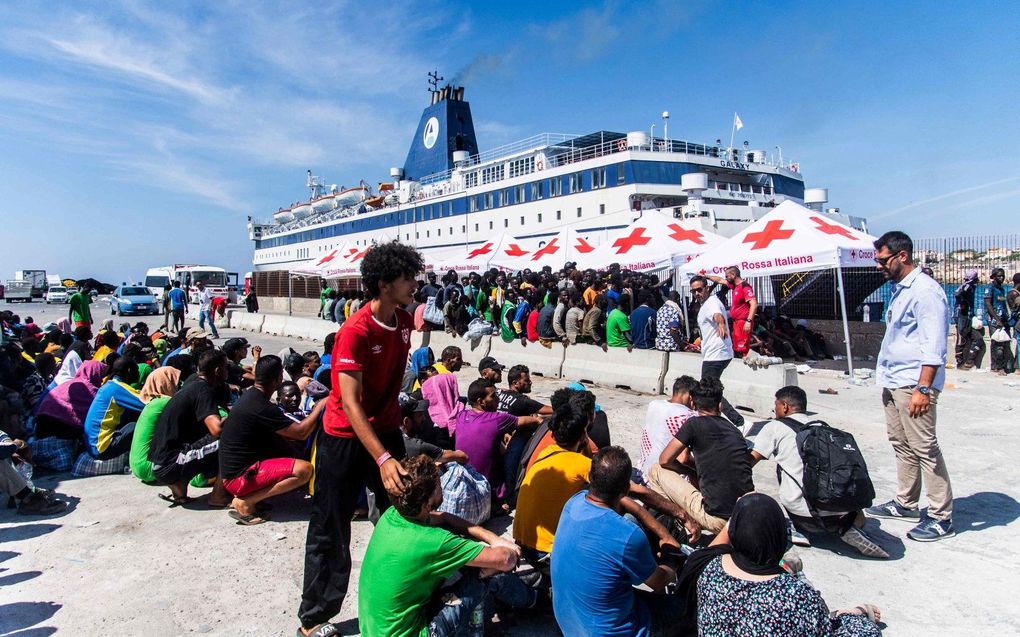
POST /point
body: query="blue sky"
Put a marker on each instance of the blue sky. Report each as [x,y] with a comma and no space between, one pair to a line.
[132,135]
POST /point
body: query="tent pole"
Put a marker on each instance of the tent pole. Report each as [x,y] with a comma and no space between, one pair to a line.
[290,294]
[846,324]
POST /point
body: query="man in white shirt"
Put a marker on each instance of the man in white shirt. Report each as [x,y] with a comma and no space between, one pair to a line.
[663,419]
[205,309]
[716,344]
[911,370]
[778,440]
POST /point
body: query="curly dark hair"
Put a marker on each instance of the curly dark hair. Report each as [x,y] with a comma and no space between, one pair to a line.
[388,262]
[419,485]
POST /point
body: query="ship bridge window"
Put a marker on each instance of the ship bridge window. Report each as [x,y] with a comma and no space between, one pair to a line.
[504,197]
[492,173]
[555,187]
[489,199]
[472,204]
[598,178]
[471,179]
[521,167]
[520,195]
[537,190]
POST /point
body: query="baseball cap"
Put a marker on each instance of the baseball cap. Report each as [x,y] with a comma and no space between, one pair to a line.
[234,344]
[411,406]
[490,363]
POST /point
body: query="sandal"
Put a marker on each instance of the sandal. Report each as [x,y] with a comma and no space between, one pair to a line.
[246,520]
[322,630]
[174,501]
[871,611]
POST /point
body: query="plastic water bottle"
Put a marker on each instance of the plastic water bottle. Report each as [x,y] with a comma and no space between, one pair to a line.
[867,313]
[476,624]
[25,470]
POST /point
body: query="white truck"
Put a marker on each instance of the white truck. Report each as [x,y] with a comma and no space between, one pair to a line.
[18,291]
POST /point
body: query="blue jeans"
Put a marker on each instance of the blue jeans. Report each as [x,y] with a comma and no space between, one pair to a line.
[203,316]
[452,619]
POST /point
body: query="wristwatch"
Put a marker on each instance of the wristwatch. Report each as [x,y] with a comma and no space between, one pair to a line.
[924,389]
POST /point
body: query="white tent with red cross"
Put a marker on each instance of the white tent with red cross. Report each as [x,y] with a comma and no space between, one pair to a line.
[335,264]
[655,241]
[791,238]
[477,257]
[555,252]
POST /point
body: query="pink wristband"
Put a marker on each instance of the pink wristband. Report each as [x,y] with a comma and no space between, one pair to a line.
[381,460]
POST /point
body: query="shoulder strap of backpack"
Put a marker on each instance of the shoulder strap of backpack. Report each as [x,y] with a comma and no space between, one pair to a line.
[798,427]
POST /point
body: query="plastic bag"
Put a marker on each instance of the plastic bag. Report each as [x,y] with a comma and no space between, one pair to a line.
[1001,336]
[466,493]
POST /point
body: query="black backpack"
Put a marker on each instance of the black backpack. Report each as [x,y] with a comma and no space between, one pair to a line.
[835,473]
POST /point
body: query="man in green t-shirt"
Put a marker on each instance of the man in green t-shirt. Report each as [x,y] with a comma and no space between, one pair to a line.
[324,301]
[78,310]
[414,548]
[618,325]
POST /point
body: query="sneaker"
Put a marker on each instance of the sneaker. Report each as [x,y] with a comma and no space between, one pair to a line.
[893,511]
[798,538]
[864,544]
[37,504]
[930,530]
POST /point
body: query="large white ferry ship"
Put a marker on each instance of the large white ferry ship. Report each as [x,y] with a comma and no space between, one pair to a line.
[447,194]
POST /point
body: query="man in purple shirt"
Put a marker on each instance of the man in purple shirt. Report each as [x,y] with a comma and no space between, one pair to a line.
[481,430]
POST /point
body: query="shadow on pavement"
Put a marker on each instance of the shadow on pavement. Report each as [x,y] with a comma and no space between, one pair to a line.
[17,578]
[982,510]
[892,544]
[26,531]
[42,631]
[20,615]
[7,555]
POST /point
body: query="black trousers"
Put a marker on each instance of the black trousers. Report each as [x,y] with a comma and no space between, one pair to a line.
[715,369]
[342,467]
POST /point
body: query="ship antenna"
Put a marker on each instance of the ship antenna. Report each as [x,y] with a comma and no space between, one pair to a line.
[434,80]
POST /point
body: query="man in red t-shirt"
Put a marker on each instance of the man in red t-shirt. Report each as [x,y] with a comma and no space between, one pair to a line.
[360,442]
[743,308]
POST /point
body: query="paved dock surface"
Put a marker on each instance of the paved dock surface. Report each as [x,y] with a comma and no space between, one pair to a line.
[120,560]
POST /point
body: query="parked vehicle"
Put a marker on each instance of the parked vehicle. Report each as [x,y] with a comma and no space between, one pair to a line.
[133,299]
[57,294]
[38,281]
[215,279]
[18,291]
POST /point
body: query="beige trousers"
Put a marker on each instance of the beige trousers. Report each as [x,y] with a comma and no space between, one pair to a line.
[917,454]
[672,485]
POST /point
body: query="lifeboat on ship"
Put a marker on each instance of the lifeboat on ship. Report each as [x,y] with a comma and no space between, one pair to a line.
[302,210]
[283,215]
[322,204]
[352,196]
[375,202]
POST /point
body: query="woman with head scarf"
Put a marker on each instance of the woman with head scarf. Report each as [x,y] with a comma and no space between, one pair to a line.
[420,359]
[443,395]
[62,412]
[161,384]
[745,588]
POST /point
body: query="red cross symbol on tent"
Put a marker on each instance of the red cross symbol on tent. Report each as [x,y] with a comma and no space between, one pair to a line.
[351,252]
[635,238]
[832,228]
[773,231]
[485,249]
[326,259]
[583,246]
[683,234]
[515,251]
[357,257]
[549,248]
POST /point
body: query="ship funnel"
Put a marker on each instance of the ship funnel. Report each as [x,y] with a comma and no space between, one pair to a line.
[816,198]
[445,128]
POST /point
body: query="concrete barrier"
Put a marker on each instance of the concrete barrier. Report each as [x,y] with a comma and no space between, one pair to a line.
[639,370]
[251,322]
[746,388]
[275,324]
[540,361]
[320,329]
[235,319]
[440,340]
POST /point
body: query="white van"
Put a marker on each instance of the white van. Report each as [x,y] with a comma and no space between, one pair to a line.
[189,275]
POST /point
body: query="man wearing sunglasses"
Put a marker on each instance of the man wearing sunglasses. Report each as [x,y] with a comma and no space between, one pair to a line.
[911,372]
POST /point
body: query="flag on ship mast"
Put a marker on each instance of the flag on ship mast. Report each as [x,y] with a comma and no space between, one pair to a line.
[736,121]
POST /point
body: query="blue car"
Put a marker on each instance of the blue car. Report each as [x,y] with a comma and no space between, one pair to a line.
[129,299]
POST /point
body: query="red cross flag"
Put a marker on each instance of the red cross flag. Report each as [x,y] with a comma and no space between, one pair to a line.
[791,238]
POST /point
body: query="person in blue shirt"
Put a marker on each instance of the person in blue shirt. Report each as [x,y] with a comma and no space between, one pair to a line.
[178,305]
[110,422]
[642,322]
[599,556]
[911,370]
